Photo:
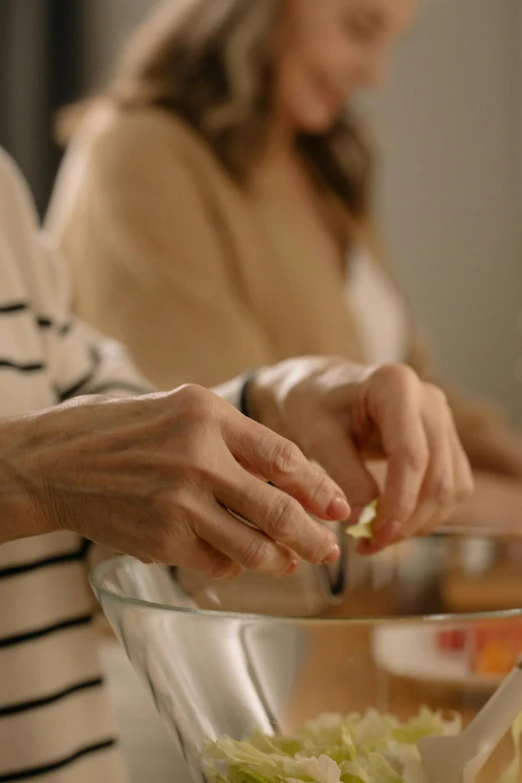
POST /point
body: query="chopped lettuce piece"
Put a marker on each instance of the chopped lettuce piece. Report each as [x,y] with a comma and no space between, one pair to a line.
[364,528]
[369,748]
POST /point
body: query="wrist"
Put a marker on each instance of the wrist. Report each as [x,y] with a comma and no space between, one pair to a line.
[261,400]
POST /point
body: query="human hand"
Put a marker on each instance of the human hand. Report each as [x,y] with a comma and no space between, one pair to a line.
[154,476]
[341,414]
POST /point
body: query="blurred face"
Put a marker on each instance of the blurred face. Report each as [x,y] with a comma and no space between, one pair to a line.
[328,50]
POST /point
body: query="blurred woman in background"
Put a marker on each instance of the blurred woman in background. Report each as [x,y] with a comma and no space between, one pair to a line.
[215,205]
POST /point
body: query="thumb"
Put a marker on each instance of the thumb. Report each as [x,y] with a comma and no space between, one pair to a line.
[334,450]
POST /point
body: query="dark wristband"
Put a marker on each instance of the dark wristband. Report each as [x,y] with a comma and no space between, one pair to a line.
[243,397]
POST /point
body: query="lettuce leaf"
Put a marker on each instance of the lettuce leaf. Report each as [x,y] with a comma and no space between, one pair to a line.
[364,528]
[369,748]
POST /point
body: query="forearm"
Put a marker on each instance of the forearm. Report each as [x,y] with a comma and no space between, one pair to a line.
[490,442]
[19,517]
[496,450]
[496,505]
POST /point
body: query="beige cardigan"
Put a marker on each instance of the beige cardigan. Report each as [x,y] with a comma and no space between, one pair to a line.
[170,256]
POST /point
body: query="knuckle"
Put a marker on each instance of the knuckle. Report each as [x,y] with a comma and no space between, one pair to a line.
[286,458]
[321,489]
[222,568]
[323,546]
[399,376]
[444,491]
[255,552]
[281,516]
[194,402]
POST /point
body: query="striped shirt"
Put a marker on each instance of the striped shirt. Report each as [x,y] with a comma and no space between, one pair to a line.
[54,719]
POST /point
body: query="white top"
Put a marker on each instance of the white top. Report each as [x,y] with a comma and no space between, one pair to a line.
[379,311]
[54,719]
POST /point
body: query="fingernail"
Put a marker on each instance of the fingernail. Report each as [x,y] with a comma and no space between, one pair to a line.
[334,555]
[339,509]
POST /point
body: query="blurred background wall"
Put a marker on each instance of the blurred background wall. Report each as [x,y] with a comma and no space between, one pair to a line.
[450,121]
[451,196]
[41,69]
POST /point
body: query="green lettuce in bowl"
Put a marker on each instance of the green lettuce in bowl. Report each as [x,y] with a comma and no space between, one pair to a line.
[369,748]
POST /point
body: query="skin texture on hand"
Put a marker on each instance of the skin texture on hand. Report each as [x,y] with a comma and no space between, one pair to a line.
[157,478]
[341,415]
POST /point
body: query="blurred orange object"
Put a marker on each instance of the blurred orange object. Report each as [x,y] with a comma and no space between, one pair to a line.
[492,648]
[495,647]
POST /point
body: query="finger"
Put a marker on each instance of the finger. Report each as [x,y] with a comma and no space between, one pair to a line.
[393,399]
[429,516]
[438,488]
[203,558]
[437,521]
[383,538]
[464,481]
[274,459]
[332,447]
[245,546]
[463,485]
[407,463]
[280,517]
[449,475]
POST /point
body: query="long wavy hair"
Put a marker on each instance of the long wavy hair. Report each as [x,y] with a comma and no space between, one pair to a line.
[211,62]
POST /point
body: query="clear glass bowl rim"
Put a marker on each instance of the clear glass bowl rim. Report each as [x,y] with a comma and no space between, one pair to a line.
[98,574]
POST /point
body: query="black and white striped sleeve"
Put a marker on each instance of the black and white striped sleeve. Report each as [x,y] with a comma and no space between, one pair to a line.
[81,360]
[38,327]
[88,363]
[40,338]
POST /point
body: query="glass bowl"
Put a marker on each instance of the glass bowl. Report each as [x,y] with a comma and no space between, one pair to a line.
[432,622]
